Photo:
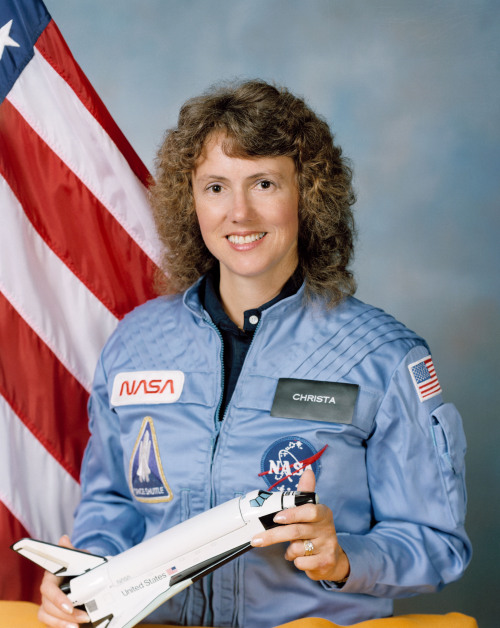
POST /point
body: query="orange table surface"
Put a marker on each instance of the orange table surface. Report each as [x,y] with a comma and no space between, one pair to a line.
[24,615]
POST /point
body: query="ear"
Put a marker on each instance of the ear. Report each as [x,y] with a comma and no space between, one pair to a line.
[307,482]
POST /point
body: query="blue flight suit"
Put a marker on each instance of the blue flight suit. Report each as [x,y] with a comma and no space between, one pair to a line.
[392,471]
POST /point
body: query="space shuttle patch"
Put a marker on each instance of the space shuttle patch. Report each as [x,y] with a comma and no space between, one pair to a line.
[146,478]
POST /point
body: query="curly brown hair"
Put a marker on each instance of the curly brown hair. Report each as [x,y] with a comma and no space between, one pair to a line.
[257,120]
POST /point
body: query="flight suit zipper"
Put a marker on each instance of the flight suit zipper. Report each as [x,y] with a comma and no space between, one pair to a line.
[219,424]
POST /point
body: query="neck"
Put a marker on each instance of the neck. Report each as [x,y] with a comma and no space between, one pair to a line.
[245,293]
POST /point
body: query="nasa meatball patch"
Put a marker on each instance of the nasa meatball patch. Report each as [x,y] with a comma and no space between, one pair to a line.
[332,402]
[285,460]
[146,478]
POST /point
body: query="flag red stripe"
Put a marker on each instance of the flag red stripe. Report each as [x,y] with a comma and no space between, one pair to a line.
[85,235]
[12,585]
[431,392]
[43,394]
[433,383]
[54,49]
[38,491]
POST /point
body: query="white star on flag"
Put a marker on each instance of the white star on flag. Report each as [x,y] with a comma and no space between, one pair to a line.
[5,38]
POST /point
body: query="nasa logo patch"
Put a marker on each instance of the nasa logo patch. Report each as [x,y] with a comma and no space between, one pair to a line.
[146,478]
[147,387]
[285,461]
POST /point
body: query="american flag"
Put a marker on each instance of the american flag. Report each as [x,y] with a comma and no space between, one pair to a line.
[77,251]
[425,379]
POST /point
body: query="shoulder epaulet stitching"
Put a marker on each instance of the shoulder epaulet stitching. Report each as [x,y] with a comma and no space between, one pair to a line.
[361,336]
[148,329]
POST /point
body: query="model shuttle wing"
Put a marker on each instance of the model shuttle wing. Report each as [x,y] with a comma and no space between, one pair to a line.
[60,561]
[128,613]
[120,591]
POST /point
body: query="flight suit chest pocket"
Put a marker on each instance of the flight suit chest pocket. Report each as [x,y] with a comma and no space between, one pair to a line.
[332,402]
[328,403]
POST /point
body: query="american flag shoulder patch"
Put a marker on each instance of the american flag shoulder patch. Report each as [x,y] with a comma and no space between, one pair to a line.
[424,378]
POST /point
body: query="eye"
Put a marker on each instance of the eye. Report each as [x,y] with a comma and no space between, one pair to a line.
[216,188]
[265,184]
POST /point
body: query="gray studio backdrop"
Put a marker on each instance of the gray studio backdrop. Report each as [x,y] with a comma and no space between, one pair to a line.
[411,90]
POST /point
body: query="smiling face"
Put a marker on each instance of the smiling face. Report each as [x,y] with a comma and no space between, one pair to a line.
[247,210]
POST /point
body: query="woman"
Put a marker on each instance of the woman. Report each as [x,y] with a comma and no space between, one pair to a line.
[278,377]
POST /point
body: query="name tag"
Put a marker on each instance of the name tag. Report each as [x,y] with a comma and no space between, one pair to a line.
[332,402]
[147,387]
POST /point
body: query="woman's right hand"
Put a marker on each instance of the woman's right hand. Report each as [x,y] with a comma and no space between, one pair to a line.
[56,609]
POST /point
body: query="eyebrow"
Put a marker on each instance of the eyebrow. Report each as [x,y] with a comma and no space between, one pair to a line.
[257,175]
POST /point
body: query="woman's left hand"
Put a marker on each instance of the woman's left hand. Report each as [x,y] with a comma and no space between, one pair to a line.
[306,525]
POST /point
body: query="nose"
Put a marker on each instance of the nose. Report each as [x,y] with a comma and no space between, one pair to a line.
[241,209]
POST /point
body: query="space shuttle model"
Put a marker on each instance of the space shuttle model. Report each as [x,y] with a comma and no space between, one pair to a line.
[120,591]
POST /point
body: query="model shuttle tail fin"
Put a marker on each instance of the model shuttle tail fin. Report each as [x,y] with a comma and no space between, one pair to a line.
[60,561]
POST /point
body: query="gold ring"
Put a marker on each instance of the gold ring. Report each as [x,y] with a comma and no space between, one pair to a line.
[308,548]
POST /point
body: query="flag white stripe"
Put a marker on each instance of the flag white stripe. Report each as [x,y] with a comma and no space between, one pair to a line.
[85,147]
[431,391]
[52,300]
[33,485]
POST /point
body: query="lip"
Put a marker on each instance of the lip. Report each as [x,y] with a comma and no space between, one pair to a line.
[256,238]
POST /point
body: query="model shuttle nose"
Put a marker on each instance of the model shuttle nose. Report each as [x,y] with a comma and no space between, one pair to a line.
[303,497]
[291,498]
